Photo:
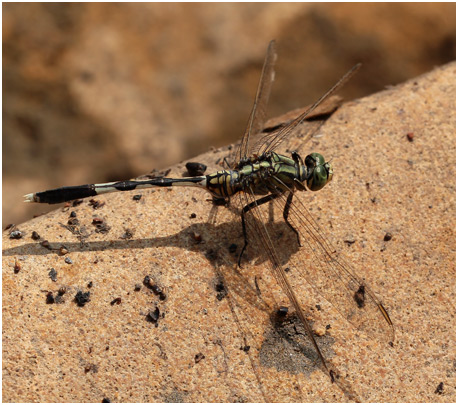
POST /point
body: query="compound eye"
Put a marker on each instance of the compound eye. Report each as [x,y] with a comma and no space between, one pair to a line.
[320,171]
[313,160]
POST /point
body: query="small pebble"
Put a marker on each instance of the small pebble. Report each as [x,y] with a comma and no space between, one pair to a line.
[82,298]
[35,235]
[52,274]
[17,267]
[50,298]
[387,237]
[16,235]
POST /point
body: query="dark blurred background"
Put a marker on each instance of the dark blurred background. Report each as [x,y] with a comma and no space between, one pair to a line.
[96,92]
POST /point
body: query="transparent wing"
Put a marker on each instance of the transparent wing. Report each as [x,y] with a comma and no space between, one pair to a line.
[271,142]
[262,239]
[258,112]
[309,127]
[323,111]
[318,262]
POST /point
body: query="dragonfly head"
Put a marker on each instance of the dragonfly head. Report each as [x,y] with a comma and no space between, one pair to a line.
[319,172]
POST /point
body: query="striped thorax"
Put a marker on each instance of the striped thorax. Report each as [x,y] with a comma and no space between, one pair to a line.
[271,173]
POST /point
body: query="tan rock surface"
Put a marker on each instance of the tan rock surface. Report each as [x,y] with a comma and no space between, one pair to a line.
[383,183]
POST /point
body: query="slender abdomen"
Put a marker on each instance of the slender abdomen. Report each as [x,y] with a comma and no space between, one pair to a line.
[63,194]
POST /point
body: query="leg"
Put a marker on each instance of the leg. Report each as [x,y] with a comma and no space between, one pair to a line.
[247,208]
[228,166]
[285,216]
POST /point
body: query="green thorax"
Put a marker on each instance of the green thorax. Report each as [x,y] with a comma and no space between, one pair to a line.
[275,173]
[271,173]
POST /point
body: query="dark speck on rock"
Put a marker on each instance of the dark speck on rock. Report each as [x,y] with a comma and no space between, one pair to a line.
[82,298]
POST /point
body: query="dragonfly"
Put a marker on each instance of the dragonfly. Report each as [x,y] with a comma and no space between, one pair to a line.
[259,175]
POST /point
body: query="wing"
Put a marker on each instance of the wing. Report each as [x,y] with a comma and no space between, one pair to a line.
[270,143]
[258,112]
[332,277]
[263,241]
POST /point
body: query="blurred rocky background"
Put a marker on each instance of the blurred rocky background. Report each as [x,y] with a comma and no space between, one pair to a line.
[96,92]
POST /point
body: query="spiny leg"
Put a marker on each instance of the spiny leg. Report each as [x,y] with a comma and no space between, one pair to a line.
[285,216]
[247,208]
